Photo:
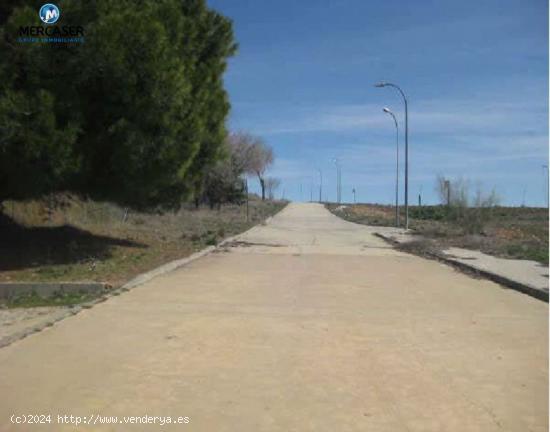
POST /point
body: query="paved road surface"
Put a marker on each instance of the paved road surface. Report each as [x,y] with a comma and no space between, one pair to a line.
[310,324]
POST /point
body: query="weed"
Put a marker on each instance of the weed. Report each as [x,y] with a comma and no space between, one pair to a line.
[98,246]
[58,299]
[509,232]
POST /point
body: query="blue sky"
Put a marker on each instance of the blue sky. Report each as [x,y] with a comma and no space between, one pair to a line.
[475,73]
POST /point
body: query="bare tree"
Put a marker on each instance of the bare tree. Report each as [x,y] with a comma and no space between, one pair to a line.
[250,155]
[271,185]
[261,158]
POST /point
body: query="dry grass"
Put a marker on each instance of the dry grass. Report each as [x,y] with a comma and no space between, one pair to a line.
[71,240]
[509,232]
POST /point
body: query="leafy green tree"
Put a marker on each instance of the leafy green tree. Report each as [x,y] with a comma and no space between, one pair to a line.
[132,115]
[36,156]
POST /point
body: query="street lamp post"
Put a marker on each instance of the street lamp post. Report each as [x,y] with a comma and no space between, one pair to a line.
[388,111]
[386,84]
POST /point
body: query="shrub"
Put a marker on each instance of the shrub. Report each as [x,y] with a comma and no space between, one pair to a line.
[471,212]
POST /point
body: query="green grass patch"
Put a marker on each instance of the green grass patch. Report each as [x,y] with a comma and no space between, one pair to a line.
[530,252]
[58,299]
[508,232]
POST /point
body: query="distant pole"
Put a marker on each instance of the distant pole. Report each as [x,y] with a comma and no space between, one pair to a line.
[546,181]
[386,84]
[339,184]
[448,188]
[336,162]
[353,191]
[311,192]
[246,188]
[320,185]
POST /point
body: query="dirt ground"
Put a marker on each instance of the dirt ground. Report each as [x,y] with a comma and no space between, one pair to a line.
[509,232]
[85,240]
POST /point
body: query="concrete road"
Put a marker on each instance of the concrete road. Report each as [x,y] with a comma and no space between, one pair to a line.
[309,323]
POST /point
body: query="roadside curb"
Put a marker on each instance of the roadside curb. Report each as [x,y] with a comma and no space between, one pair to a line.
[501,280]
[136,281]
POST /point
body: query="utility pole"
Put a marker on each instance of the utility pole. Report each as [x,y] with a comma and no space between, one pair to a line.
[338,181]
[340,184]
[320,185]
[448,189]
[246,188]
[546,181]
[353,191]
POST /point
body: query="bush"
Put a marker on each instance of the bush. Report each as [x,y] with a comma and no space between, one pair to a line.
[471,212]
[437,213]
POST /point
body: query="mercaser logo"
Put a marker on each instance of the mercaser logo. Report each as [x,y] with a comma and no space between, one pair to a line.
[49,13]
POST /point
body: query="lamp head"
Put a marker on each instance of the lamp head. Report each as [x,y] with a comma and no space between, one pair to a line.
[386,110]
[380,84]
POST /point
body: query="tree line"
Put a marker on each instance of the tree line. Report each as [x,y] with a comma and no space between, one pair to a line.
[135,115]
